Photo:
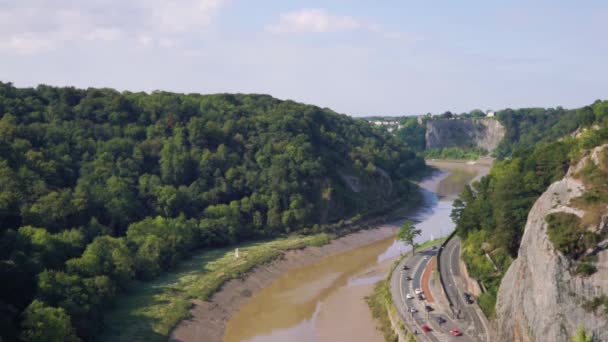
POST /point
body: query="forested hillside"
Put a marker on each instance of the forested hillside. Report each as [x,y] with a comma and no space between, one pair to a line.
[524,127]
[529,126]
[491,214]
[99,188]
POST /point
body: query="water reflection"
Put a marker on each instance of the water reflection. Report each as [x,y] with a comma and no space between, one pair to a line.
[324,301]
[433,219]
[288,306]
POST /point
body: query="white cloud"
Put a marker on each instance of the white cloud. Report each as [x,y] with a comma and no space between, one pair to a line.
[25,43]
[144,40]
[29,27]
[184,15]
[103,34]
[313,21]
[320,21]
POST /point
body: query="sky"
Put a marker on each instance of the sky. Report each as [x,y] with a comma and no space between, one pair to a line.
[358,57]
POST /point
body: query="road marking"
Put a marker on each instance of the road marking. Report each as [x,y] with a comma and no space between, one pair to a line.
[415,318]
[472,313]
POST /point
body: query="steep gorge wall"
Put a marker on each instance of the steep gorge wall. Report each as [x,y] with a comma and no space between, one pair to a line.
[364,193]
[540,298]
[481,133]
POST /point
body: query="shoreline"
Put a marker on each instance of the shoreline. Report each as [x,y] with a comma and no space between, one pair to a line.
[208,319]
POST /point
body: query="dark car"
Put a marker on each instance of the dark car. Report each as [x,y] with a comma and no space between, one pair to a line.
[468,298]
[405,267]
[408,278]
[440,319]
[421,296]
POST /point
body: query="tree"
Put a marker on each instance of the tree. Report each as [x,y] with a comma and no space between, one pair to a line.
[105,256]
[175,161]
[42,323]
[407,233]
[581,336]
[98,187]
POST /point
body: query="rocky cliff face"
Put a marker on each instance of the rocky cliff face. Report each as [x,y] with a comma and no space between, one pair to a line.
[373,193]
[540,297]
[483,133]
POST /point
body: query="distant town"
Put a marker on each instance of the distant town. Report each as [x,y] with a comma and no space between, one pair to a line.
[393,123]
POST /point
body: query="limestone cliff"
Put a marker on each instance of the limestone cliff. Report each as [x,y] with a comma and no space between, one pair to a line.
[482,133]
[361,193]
[541,298]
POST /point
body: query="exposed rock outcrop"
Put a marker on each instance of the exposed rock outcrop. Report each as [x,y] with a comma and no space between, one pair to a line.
[540,298]
[482,133]
[376,189]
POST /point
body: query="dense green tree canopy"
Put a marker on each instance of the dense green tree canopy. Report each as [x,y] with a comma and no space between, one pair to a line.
[99,188]
[492,213]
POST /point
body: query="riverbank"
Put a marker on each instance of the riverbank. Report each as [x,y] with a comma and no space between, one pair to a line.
[311,303]
[208,319]
[151,310]
[480,168]
[383,307]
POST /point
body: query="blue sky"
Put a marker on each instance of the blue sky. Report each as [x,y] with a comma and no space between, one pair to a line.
[357,57]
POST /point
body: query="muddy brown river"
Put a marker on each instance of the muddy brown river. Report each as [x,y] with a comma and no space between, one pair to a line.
[325,301]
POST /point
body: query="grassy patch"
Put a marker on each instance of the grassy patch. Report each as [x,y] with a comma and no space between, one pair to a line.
[152,309]
[568,235]
[381,301]
[596,303]
[481,268]
[593,201]
[586,266]
[378,302]
[580,336]
[487,303]
[455,153]
[430,243]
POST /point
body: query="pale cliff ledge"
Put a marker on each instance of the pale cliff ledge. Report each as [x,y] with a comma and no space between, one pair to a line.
[482,133]
[540,297]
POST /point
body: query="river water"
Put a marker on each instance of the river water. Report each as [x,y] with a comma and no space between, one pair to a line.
[325,301]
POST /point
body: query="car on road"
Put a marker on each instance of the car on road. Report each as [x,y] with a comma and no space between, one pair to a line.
[409,296]
[405,267]
[408,278]
[417,291]
[440,320]
[426,328]
[455,332]
[468,298]
[413,310]
[421,296]
[427,307]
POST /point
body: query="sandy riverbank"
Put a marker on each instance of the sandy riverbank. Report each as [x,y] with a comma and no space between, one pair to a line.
[208,321]
[481,167]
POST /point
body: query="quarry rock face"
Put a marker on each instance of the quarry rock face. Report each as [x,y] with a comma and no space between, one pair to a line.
[482,133]
[540,298]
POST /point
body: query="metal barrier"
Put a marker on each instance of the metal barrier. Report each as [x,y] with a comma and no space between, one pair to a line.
[439,266]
